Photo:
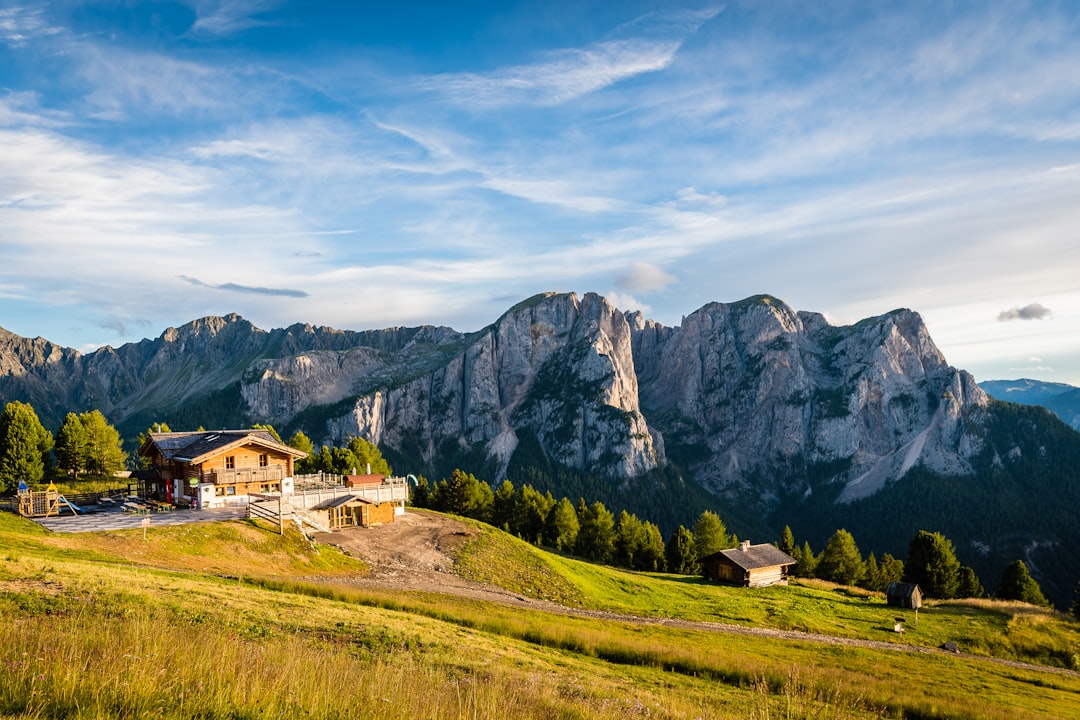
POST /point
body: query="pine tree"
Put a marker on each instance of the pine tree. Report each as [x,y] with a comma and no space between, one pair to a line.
[787,541]
[710,534]
[596,538]
[24,442]
[931,562]
[840,561]
[367,455]
[970,587]
[806,561]
[104,448]
[680,553]
[1017,584]
[871,579]
[1075,609]
[71,446]
[562,526]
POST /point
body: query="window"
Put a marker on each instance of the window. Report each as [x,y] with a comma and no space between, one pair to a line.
[230,489]
[263,460]
[230,462]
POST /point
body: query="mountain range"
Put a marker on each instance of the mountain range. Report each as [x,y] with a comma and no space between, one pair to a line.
[1061,399]
[769,415]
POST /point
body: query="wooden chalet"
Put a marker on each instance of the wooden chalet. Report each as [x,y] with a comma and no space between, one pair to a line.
[748,565]
[216,467]
[904,595]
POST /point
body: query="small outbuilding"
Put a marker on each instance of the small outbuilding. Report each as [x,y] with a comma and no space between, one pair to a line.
[904,595]
[749,565]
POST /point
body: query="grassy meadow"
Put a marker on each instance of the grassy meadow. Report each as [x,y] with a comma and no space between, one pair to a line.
[217,621]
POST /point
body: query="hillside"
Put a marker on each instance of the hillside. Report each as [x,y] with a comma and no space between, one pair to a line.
[96,630]
[767,414]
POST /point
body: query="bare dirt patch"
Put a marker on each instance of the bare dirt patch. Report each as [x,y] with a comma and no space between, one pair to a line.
[415,552]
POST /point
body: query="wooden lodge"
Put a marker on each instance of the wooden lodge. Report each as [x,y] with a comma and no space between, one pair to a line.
[214,468]
[748,565]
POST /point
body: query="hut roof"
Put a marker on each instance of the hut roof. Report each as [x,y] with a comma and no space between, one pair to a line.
[902,589]
[194,447]
[752,557]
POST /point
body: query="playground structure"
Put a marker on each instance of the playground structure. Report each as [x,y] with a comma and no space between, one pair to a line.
[45,503]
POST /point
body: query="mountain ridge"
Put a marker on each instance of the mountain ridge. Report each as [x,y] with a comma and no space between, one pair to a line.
[751,406]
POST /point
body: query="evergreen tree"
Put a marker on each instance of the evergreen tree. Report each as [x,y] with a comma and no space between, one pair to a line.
[596,536]
[1075,609]
[530,511]
[890,570]
[805,561]
[871,579]
[840,561]
[931,562]
[787,541]
[710,534]
[970,587]
[302,442]
[71,446]
[24,442]
[420,496]
[367,454]
[502,506]
[651,555]
[104,448]
[1017,584]
[463,494]
[680,553]
[562,526]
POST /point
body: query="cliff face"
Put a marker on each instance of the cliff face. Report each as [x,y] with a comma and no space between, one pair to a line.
[753,389]
[747,396]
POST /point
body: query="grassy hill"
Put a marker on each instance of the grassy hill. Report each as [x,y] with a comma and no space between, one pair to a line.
[214,620]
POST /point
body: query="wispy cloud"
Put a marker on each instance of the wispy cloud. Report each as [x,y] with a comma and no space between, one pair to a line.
[248,289]
[1034,311]
[226,17]
[560,77]
[18,25]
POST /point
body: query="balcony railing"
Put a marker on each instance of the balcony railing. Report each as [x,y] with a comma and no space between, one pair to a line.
[271,473]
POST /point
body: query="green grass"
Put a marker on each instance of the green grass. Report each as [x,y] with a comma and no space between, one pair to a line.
[1001,629]
[93,630]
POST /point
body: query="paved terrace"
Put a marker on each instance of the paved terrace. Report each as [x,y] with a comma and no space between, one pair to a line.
[116,519]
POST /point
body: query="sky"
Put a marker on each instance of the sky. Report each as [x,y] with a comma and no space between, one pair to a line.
[365,165]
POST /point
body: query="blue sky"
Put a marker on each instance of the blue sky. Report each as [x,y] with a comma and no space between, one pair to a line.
[362,165]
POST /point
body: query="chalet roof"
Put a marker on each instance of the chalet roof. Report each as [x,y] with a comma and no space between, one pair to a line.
[195,447]
[753,557]
[902,589]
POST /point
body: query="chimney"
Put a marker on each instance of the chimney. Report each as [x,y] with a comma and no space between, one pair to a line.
[369,468]
[744,545]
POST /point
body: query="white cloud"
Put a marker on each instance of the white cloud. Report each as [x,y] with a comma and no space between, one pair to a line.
[19,25]
[642,277]
[226,17]
[627,302]
[562,76]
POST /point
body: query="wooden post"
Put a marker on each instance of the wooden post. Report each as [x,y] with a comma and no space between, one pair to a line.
[280,514]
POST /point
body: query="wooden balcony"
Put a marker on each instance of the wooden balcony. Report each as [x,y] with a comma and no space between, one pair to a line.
[271,473]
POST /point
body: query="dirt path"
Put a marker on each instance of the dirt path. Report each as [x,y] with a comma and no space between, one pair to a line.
[417,552]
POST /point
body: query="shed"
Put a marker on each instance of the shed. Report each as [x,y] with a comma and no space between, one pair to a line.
[904,595]
[350,510]
[748,565]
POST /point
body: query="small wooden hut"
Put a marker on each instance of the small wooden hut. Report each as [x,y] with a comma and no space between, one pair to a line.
[904,595]
[748,565]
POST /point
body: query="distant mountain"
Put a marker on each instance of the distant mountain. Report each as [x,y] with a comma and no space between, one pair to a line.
[769,415]
[1061,399]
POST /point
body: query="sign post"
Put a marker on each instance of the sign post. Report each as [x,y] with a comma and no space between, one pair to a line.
[145,522]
